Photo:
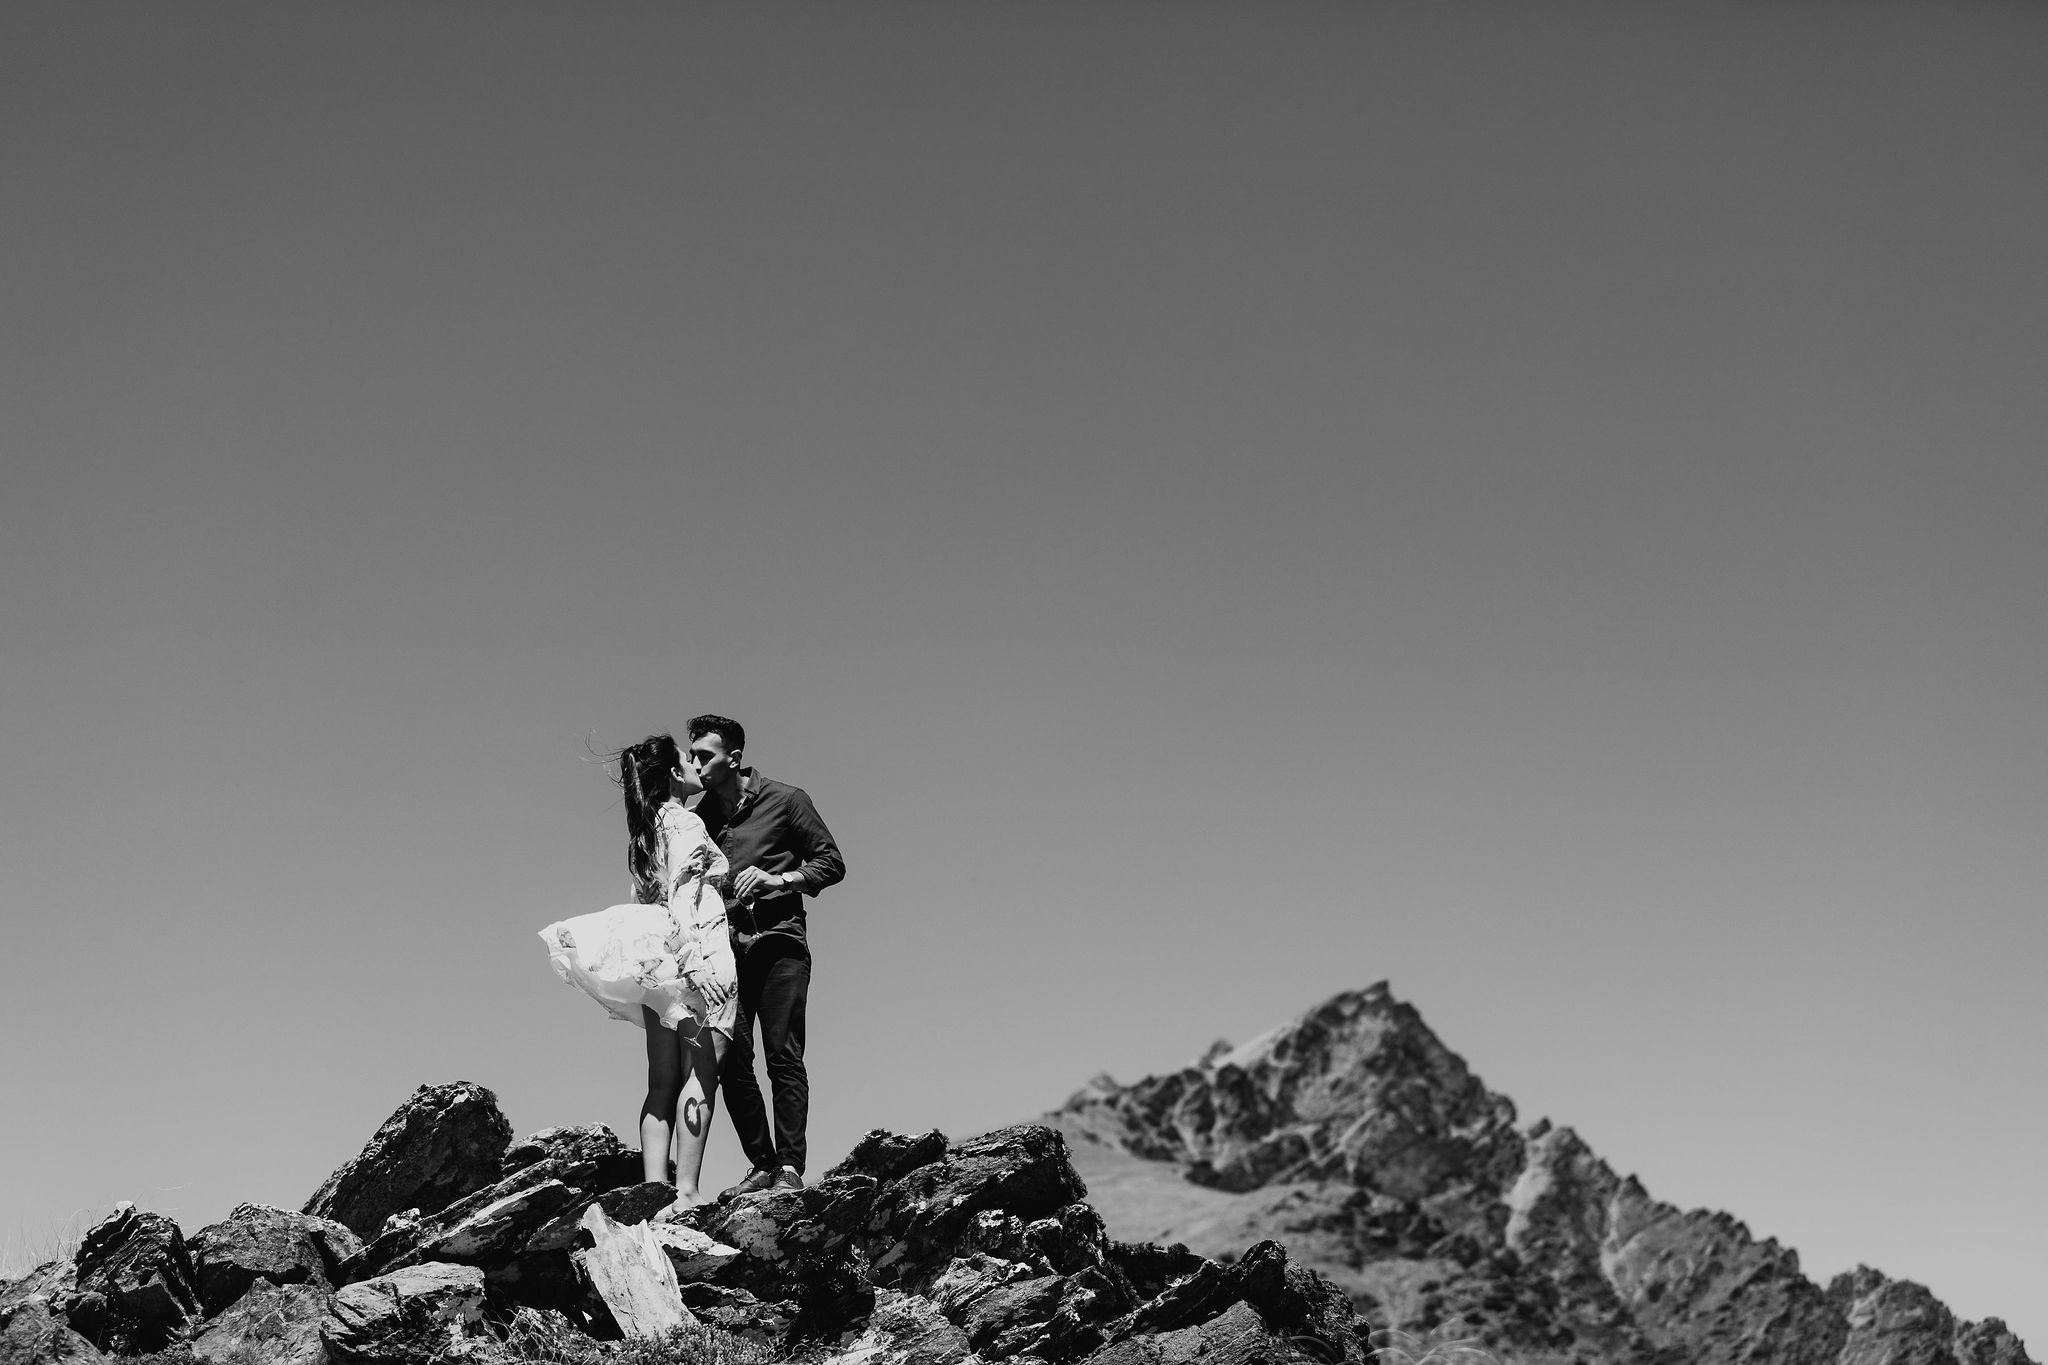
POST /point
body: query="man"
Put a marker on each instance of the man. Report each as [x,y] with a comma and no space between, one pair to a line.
[780,852]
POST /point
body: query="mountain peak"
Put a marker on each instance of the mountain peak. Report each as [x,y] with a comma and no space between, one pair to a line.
[1356,1137]
[1358,1089]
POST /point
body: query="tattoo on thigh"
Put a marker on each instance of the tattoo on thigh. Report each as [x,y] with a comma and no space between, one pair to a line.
[693,1116]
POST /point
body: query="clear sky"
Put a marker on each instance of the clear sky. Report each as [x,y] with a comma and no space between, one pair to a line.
[1543,504]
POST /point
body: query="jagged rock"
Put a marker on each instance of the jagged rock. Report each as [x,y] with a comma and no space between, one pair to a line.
[1700,1283]
[135,1284]
[258,1242]
[392,1318]
[1898,1322]
[521,1229]
[53,1284]
[275,1323]
[1989,1342]
[1356,1139]
[920,1216]
[1237,1336]
[1001,1234]
[1194,1298]
[886,1155]
[694,1255]
[521,1214]
[628,1204]
[1357,1089]
[443,1143]
[596,1143]
[992,1237]
[905,1329]
[491,1224]
[739,1312]
[801,1246]
[1303,1306]
[985,1297]
[1082,1319]
[1070,1242]
[34,1335]
[1150,1268]
[631,1273]
[1892,1322]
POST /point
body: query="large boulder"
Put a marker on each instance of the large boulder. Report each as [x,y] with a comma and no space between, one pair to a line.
[445,1142]
[740,1313]
[273,1323]
[258,1242]
[592,1142]
[531,1212]
[919,1217]
[390,1319]
[905,1329]
[802,1247]
[135,1286]
[34,1335]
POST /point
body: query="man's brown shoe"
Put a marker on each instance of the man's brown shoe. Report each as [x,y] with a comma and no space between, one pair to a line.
[756,1181]
[789,1178]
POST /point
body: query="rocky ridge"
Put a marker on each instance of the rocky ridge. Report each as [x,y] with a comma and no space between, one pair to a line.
[444,1239]
[1356,1139]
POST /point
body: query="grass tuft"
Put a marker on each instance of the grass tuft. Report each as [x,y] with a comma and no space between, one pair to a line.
[537,1338]
[28,1248]
[1450,1343]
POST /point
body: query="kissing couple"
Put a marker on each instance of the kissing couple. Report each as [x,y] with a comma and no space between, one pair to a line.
[713,943]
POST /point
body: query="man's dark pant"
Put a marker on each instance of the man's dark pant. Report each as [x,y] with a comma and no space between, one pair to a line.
[775,978]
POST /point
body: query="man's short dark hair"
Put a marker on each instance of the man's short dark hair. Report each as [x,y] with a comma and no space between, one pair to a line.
[725,727]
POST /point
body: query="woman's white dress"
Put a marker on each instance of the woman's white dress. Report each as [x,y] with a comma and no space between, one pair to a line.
[674,957]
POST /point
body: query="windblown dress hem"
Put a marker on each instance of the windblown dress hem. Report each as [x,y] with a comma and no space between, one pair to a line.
[674,957]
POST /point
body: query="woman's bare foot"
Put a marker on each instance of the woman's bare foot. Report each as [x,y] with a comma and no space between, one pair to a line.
[675,1211]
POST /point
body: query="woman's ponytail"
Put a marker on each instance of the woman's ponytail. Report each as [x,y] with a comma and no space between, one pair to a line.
[644,782]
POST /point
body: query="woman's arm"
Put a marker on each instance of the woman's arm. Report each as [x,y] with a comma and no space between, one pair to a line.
[687,851]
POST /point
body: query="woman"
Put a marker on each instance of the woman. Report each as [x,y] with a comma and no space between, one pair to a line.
[665,962]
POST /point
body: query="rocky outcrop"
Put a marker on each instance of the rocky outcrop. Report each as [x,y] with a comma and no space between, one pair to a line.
[257,1242]
[134,1282]
[914,1247]
[522,1228]
[1356,1138]
[915,1250]
[277,1324]
[34,1335]
[445,1142]
[1897,1322]
[407,1314]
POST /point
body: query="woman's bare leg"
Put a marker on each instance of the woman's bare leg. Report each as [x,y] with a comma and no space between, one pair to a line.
[665,1060]
[693,1110]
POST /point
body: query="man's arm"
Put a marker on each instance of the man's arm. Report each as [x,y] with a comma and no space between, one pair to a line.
[822,866]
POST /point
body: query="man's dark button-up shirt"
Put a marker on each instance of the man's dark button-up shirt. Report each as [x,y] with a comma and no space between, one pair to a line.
[776,829]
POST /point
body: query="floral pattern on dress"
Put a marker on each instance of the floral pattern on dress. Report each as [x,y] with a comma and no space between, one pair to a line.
[674,956]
